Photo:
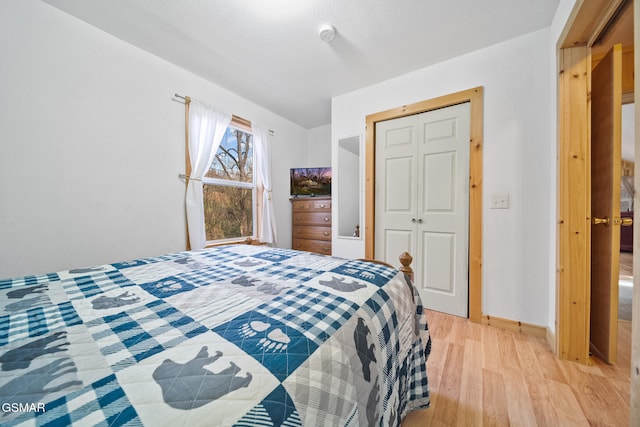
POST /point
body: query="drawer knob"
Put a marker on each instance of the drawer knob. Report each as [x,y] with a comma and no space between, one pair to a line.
[326,219]
[323,205]
[326,233]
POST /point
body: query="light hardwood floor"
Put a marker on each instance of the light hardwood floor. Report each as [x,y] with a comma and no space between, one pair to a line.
[480,375]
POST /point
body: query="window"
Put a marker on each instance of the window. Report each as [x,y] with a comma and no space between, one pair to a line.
[229,189]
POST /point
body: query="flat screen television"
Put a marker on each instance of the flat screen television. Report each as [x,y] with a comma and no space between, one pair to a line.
[310,182]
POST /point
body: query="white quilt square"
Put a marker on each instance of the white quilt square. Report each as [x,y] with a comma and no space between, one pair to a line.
[205,380]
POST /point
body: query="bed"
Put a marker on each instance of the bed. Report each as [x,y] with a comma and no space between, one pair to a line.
[234,335]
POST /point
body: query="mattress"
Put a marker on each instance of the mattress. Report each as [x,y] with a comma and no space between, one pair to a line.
[236,335]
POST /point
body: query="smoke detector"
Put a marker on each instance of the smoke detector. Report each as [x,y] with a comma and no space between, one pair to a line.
[327,32]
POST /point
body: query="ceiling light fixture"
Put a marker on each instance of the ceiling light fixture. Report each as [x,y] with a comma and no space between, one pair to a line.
[327,32]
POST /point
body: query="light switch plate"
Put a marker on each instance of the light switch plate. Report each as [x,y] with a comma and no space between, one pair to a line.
[499,201]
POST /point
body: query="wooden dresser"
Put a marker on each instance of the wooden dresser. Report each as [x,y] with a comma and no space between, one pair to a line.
[311,219]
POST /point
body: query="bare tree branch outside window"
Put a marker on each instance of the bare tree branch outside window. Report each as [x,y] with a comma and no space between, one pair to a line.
[228,194]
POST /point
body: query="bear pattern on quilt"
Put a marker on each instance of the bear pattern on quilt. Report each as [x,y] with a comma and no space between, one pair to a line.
[238,333]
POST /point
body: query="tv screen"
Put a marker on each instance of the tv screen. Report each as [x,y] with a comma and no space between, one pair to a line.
[310,182]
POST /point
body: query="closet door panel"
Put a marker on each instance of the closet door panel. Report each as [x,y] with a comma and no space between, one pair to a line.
[396,195]
[396,241]
[399,186]
[443,229]
[438,251]
[439,176]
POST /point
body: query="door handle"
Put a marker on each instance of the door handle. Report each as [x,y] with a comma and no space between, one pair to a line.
[604,221]
[625,222]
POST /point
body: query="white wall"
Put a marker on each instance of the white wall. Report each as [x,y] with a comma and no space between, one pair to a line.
[318,147]
[517,157]
[91,145]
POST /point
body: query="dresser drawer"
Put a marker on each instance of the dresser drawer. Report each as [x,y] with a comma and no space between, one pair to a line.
[307,205]
[318,246]
[312,232]
[312,218]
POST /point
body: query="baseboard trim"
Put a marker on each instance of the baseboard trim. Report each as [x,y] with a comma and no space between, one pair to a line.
[516,326]
[551,340]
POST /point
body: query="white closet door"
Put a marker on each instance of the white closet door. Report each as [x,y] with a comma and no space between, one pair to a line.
[422,202]
[396,191]
[443,195]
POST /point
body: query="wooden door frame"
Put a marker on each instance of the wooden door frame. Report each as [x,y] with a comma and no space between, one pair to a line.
[573,239]
[573,205]
[475,98]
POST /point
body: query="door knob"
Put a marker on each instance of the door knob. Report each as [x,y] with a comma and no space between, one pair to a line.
[604,221]
[625,222]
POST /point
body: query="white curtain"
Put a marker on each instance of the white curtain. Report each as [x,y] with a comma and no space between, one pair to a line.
[262,144]
[206,129]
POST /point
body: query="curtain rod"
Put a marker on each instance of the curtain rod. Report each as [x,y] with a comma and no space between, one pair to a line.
[182,97]
[188,99]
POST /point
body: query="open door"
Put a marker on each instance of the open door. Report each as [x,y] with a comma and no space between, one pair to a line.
[606,131]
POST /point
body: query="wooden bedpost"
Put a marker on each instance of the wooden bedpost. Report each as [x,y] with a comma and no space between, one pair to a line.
[405,260]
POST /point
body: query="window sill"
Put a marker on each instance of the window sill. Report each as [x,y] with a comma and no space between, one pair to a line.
[247,241]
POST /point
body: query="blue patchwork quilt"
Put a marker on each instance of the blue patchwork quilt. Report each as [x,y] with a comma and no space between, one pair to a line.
[232,336]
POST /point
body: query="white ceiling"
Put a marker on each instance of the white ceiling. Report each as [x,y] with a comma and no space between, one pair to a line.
[269,52]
